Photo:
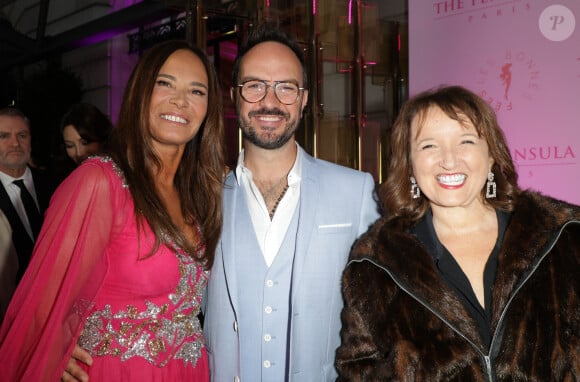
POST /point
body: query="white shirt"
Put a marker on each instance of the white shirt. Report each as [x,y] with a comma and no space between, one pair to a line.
[270,233]
[13,192]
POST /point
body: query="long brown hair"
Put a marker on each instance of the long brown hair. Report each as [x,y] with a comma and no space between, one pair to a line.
[457,103]
[199,177]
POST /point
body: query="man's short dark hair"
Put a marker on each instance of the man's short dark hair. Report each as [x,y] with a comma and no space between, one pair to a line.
[263,33]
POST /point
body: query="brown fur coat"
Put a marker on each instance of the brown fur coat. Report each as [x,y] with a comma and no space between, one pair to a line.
[402,323]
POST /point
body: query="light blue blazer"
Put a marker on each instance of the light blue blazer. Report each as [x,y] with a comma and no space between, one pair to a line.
[336,206]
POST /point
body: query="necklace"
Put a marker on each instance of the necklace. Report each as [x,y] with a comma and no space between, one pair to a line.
[275,206]
[273,193]
[268,189]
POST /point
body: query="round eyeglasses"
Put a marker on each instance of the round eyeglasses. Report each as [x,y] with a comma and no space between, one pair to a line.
[253,91]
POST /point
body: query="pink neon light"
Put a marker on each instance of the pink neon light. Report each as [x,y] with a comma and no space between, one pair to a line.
[349,12]
[313,7]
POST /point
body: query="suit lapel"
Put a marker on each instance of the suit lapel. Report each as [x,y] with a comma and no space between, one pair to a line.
[10,212]
[44,189]
[228,247]
[6,204]
[308,207]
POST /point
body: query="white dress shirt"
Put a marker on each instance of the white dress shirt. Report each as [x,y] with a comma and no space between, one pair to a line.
[270,233]
[13,192]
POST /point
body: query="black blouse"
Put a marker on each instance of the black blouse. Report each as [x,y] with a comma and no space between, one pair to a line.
[455,278]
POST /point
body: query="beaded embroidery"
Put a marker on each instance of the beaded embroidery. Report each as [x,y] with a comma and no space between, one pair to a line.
[161,332]
[118,171]
[155,334]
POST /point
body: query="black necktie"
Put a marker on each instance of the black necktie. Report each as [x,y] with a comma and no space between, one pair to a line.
[30,207]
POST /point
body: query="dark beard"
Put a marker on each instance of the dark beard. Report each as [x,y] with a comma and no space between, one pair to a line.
[249,133]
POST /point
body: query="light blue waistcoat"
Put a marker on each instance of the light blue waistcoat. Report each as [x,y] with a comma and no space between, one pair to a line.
[263,294]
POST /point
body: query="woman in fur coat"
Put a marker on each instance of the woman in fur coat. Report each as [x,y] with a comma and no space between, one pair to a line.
[467,277]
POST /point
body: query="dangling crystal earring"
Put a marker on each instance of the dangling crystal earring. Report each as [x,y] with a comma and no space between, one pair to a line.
[491,187]
[415,190]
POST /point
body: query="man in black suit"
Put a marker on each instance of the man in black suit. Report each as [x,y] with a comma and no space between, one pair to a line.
[24,192]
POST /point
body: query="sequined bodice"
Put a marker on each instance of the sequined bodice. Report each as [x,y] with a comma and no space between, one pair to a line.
[157,332]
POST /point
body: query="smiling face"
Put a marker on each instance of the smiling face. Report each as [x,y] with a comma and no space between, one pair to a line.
[270,124]
[179,101]
[77,148]
[15,147]
[450,161]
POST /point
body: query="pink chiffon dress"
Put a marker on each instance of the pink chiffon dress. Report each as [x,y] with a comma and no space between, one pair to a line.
[92,281]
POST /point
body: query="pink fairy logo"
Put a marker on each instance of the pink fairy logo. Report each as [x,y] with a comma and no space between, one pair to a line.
[508,80]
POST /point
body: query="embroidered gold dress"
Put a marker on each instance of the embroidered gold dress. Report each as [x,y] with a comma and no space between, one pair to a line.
[90,282]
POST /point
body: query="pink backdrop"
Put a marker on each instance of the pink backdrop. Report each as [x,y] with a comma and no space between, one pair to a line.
[523,57]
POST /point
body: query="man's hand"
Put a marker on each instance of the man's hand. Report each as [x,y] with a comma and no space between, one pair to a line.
[74,372]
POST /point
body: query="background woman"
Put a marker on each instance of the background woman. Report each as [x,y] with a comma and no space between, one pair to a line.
[85,130]
[467,277]
[123,257]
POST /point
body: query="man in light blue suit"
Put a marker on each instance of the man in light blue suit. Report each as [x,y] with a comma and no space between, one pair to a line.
[273,300]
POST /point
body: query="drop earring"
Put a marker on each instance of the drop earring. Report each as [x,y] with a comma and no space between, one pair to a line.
[415,190]
[490,187]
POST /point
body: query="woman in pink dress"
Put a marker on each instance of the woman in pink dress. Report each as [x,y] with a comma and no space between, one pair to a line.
[122,260]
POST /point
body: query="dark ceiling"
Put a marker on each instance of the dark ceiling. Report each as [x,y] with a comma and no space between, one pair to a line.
[17,49]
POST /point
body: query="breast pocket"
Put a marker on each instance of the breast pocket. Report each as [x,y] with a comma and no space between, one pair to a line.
[338,228]
[328,249]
